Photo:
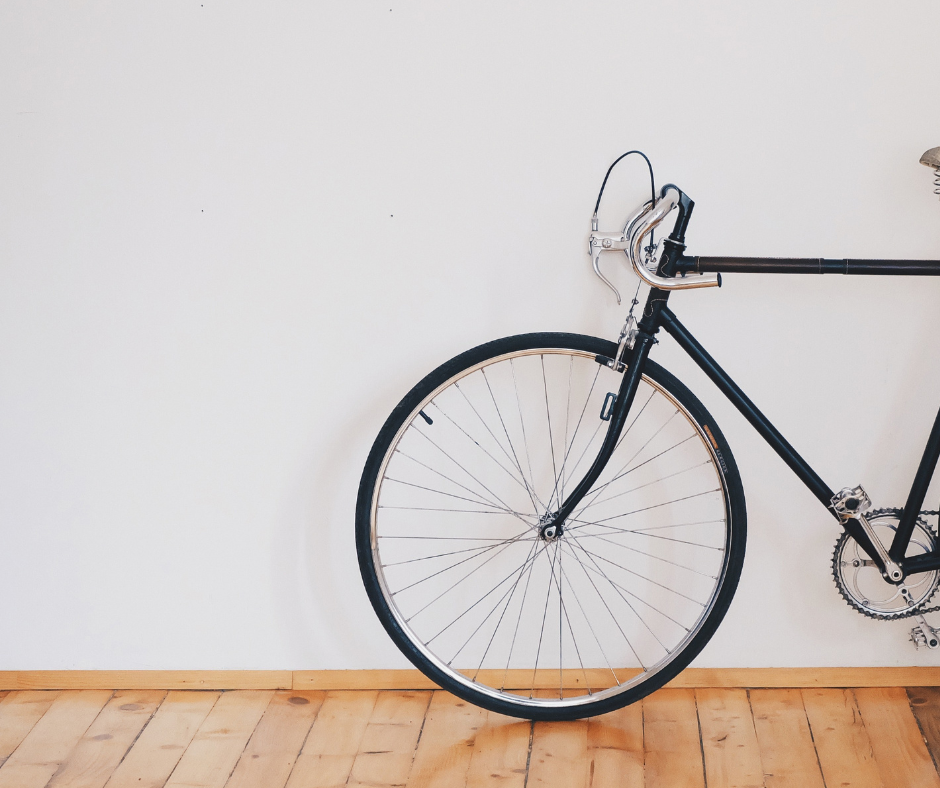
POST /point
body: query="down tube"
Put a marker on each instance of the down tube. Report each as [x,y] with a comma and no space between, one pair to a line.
[759,421]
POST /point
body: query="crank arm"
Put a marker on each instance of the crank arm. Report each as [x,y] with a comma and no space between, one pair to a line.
[849,505]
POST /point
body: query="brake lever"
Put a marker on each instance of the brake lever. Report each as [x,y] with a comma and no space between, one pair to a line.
[608,242]
[604,243]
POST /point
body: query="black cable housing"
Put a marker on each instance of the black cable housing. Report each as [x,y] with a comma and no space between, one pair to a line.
[610,169]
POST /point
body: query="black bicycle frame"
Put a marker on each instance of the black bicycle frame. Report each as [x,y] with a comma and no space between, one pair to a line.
[657,315]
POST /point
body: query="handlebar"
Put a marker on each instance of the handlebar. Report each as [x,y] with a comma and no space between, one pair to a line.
[640,224]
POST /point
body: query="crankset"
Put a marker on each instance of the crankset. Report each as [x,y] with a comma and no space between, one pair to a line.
[864,588]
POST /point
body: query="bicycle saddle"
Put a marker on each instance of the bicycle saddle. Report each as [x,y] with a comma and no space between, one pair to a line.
[931,158]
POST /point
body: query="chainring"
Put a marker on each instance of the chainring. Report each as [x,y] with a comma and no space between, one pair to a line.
[860,582]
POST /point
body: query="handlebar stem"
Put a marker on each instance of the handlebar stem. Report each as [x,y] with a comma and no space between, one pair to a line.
[670,197]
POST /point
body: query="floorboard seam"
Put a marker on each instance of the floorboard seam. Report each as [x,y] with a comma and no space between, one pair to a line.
[812,738]
[139,733]
[528,757]
[701,744]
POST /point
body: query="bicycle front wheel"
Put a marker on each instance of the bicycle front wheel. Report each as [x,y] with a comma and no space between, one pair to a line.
[501,611]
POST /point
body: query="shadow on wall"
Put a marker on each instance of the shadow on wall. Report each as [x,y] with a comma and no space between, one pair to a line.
[314,555]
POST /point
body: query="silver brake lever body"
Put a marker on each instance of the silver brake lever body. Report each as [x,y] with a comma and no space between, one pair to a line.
[608,242]
[603,243]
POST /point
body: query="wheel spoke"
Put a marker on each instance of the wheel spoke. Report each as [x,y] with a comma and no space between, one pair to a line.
[520,480]
[451,552]
[515,457]
[444,538]
[535,547]
[621,590]
[501,501]
[564,443]
[643,486]
[472,606]
[452,481]
[562,479]
[587,621]
[450,495]
[525,441]
[451,511]
[502,546]
[600,596]
[525,593]
[656,506]
[623,437]
[562,608]
[643,532]
[561,631]
[551,441]
[597,491]
[622,475]
[675,525]
[538,651]
[644,552]
[636,574]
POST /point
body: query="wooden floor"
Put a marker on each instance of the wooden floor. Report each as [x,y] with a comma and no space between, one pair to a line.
[676,738]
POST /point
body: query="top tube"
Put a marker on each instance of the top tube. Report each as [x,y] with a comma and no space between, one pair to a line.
[806,265]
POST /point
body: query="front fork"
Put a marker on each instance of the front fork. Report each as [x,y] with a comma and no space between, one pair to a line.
[618,417]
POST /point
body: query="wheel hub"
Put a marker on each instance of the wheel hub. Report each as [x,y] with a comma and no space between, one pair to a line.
[549,529]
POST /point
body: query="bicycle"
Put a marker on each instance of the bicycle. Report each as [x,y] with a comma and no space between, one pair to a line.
[552,526]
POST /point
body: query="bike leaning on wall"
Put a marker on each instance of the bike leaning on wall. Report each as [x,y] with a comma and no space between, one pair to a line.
[552,526]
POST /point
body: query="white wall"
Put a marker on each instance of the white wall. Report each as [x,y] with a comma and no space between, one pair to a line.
[233,235]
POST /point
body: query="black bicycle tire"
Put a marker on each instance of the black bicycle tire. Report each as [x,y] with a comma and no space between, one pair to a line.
[735,503]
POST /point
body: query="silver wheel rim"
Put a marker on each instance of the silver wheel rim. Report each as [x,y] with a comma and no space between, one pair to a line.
[478,589]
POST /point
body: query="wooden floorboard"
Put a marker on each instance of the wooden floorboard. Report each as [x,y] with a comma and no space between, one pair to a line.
[500,752]
[19,712]
[218,744]
[842,743]
[107,740]
[896,740]
[52,738]
[159,748]
[729,741]
[329,752]
[273,748]
[672,744]
[387,749]
[788,756]
[925,703]
[560,755]
[695,738]
[615,747]
[442,759]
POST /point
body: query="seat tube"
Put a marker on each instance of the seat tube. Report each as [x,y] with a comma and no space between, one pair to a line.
[915,498]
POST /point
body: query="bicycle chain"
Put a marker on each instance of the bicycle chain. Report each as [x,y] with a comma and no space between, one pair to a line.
[935,608]
[917,611]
